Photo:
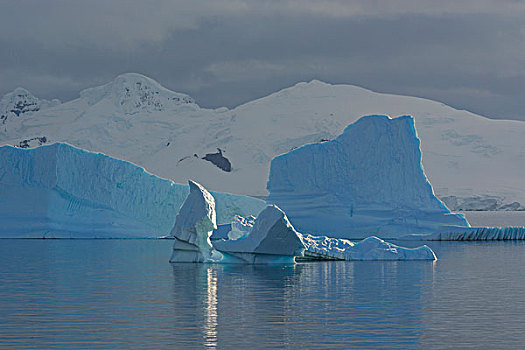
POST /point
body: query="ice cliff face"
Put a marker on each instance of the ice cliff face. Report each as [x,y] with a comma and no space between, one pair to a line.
[65,192]
[367,181]
[21,103]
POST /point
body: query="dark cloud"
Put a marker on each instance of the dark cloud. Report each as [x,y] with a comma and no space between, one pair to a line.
[470,60]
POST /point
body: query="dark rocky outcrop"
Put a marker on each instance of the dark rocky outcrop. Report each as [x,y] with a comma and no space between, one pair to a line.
[219,160]
[33,142]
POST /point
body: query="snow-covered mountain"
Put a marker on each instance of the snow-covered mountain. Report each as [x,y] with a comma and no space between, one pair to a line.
[20,103]
[472,162]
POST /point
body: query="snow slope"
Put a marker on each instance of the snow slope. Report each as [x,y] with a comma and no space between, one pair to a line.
[473,162]
[367,181]
[65,192]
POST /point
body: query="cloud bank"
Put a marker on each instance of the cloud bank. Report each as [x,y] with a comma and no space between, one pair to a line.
[468,54]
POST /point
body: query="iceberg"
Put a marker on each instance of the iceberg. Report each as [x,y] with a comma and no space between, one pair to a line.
[454,233]
[194,225]
[240,227]
[60,191]
[369,181]
[371,248]
[234,230]
[271,239]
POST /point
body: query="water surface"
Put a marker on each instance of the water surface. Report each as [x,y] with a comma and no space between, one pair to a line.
[124,294]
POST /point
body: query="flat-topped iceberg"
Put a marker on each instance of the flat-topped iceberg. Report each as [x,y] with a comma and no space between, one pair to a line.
[367,181]
[60,191]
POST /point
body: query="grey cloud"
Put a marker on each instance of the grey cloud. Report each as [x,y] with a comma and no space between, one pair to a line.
[471,61]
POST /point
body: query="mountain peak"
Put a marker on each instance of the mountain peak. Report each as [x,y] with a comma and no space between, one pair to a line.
[133,92]
[21,102]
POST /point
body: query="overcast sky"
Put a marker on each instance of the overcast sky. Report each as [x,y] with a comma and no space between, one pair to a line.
[469,53]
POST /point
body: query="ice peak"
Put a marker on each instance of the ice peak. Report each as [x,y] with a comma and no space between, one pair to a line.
[133,92]
[20,91]
[130,80]
[317,82]
[310,84]
[17,95]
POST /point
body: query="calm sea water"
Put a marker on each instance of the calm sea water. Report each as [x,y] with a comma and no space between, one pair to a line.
[87,294]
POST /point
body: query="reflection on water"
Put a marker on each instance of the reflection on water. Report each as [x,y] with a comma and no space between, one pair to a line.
[124,294]
[363,303]
[211,310]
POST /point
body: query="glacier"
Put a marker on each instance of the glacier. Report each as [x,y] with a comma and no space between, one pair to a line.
[369,181]
[60,191]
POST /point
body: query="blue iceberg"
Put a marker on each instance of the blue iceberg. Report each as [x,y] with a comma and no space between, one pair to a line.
[369,181]
[60,191]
